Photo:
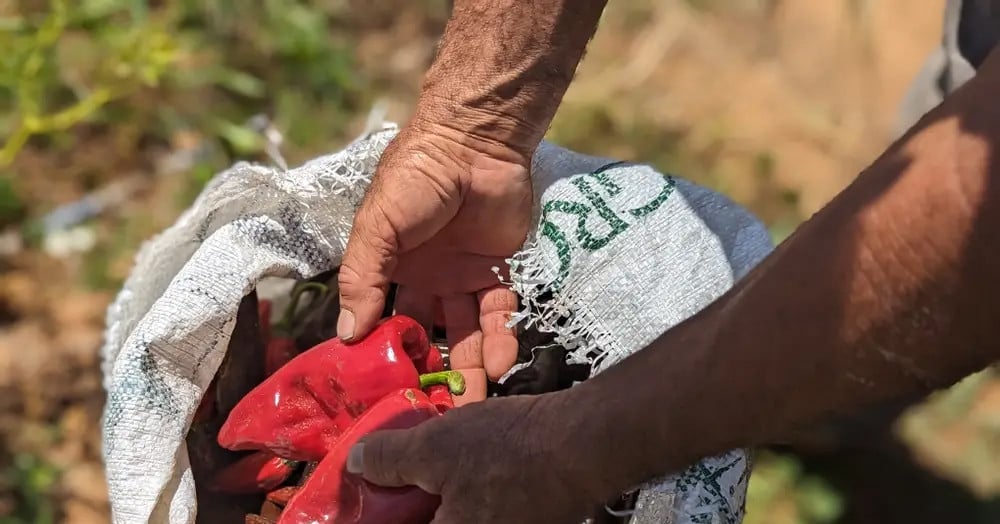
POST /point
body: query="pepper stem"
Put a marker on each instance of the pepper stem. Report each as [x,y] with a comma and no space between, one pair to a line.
[454,380]
[288,318]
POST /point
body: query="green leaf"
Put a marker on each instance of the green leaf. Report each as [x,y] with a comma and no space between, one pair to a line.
[239,82]
[241,138]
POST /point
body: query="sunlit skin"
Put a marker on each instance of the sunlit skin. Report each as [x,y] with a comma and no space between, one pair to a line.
[886,292]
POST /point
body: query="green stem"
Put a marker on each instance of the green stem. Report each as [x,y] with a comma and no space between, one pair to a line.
[454,380]
[288,318]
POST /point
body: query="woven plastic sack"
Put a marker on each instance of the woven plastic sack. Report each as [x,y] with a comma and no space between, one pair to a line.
[620,252]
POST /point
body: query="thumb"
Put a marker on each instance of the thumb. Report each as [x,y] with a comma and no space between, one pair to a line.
[381,458]
[368,264]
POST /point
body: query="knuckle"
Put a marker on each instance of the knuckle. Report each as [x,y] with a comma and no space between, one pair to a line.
[468,355]
[382,457]
[504,300]
[496,323]
[354,288]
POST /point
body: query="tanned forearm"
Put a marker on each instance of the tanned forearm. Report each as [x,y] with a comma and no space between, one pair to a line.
[502,69]
[890,290]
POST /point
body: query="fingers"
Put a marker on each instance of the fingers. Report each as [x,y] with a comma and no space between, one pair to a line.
[499,342]
[368,264]
[389,458]
[465,340]
[465,345]
[416,305]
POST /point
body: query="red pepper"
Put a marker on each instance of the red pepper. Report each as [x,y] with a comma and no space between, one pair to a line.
[440,395]
[255,473]
[298,412]
[334,496]
[441,398]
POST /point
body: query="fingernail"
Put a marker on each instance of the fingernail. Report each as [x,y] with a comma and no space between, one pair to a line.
[345,325]
[356,459]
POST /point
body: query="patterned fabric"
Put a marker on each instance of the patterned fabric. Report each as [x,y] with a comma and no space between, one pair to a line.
[619,254]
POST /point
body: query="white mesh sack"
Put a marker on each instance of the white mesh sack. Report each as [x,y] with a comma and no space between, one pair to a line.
[619,251]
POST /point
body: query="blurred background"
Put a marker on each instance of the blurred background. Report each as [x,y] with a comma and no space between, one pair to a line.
[115,113]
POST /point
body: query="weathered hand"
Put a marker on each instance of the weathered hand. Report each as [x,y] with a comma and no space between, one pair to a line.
[452,198]
[512,459]
[440,214]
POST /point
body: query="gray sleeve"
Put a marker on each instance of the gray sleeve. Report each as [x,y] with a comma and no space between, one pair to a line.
[971,30]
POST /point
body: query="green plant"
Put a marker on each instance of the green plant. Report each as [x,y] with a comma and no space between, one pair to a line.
[31,480]
[61,67]
[780,493]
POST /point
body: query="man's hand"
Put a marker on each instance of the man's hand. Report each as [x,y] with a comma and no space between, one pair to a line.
[521,466]
[452,198]
[439,216]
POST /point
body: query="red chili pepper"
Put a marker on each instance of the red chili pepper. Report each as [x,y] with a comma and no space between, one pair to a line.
[255,473]
[441,398]
[334,496]
[298,412]
[440,395]
[434,361]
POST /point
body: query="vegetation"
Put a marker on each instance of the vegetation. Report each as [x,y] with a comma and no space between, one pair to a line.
[97,92]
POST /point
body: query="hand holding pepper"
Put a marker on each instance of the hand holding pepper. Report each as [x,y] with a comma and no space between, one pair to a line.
[511,459]
[299,411]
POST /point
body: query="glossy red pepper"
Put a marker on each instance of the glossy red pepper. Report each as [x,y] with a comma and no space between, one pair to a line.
[255,473]
[299,411]
[334,496]
[441,398]
[440,395]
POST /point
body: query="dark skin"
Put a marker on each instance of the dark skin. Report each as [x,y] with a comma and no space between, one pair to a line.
[885,293]
[452,195]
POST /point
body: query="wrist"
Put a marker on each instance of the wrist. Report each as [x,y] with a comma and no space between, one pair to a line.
[641,426]
[579,441]
[476,131]
[502,68]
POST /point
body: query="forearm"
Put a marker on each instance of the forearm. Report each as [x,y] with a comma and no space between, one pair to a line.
[887,291]
[502,69]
